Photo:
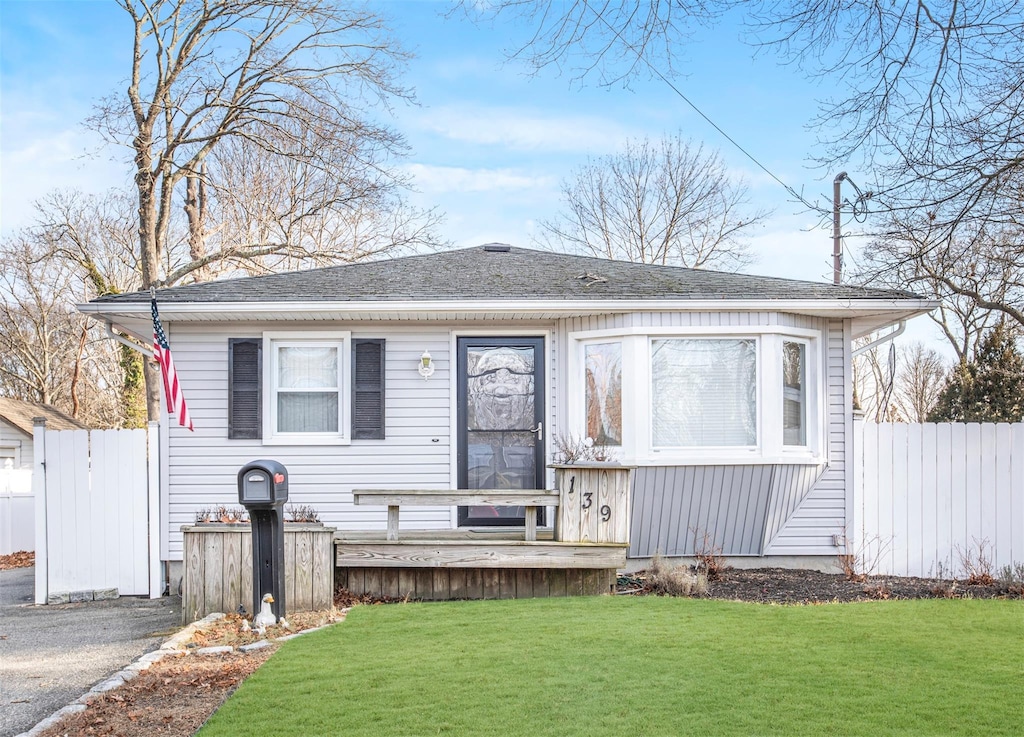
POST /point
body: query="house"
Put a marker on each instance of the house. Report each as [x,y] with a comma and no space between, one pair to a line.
[16,428]
[730,393]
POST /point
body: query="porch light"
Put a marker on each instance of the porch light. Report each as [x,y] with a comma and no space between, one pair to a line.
[426,367]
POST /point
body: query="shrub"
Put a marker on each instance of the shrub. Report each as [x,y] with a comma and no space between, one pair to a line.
[977,564]
[675,580]
[1011,579]
[709,557]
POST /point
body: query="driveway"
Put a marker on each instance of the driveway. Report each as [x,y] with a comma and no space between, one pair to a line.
[51,655]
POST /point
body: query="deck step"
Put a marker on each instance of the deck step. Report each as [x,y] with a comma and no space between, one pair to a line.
[478,554]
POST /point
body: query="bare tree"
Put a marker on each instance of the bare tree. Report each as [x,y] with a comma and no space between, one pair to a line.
[49,353]
[615,39]
[669,202]
[920,378]
[975,269]
[290,78]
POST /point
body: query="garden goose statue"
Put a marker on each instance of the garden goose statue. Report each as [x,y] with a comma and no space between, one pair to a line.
[265,617]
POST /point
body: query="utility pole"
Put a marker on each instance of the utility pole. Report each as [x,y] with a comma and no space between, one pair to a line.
[837,238]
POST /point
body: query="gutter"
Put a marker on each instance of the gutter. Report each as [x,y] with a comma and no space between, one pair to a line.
[884,339]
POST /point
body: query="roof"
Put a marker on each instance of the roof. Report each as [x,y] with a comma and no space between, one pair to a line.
[502,273]
[20,413]
[498,282]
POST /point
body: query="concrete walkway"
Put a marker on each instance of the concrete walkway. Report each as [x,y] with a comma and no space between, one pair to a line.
[51,655]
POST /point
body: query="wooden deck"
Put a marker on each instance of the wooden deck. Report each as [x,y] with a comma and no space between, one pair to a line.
[456,564]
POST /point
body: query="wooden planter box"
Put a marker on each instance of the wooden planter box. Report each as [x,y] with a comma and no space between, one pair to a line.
[218,568]
[593,502]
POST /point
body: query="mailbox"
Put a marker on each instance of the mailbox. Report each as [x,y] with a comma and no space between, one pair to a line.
[262,485]
[263,490]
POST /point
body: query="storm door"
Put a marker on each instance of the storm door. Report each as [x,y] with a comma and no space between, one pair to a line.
[501,413]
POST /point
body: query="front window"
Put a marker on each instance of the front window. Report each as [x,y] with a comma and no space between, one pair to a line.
[307,387]
[794,394]
[603,368]
[703,392]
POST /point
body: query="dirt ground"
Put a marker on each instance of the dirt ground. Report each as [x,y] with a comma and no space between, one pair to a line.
[176,696]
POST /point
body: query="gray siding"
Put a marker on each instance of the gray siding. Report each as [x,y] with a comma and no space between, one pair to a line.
[16,444]
[737,507]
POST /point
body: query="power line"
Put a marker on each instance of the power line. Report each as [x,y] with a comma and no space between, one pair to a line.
[799,197]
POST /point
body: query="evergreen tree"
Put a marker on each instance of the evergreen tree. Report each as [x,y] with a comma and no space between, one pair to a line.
[988,388]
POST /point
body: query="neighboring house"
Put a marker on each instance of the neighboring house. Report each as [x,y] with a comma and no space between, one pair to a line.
[16,429]
[732,394]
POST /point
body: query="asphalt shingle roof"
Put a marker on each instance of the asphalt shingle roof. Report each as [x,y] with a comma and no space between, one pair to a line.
[493,273]
[20,413]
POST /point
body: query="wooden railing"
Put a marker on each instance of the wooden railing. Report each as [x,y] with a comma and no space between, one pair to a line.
[533,499]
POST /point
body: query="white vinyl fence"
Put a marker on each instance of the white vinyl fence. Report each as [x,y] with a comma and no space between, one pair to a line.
[97,498]
[926,496]
[17,511]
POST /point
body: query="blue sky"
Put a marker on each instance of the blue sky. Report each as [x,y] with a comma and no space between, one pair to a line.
[490,144]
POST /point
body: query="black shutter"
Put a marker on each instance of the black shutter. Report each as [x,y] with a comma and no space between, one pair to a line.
[245,397]
[367,388]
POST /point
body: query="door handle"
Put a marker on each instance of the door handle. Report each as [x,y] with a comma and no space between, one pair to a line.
[539,431]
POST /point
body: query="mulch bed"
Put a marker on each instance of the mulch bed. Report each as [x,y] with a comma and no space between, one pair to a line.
[785,586]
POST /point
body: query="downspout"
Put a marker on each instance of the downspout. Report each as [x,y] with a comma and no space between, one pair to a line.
[885,338]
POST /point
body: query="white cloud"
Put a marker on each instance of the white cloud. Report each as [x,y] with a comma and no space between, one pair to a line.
[444,179]
[514,128]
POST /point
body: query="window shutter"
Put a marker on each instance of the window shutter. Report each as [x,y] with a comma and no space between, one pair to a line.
[367,388]
[245,398]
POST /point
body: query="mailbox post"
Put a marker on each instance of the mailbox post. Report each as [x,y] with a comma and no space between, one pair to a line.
[263,490]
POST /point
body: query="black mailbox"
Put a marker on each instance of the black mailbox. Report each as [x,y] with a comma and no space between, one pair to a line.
[263,490]
[262,484]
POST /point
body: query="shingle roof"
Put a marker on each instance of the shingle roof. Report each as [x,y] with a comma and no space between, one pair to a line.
[500,273]
[19,413]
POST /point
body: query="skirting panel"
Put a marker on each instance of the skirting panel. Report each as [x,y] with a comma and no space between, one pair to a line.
[443,584]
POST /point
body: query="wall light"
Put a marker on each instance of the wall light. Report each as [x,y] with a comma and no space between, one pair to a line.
[426,367]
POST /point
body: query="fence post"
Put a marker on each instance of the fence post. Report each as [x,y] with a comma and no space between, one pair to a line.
[855,517]
[39,489]
[156,582]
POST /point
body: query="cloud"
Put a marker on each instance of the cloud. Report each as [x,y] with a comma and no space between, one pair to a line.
[515,128]
[442,179]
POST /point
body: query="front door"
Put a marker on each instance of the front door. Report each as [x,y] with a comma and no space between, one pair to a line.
[501,411]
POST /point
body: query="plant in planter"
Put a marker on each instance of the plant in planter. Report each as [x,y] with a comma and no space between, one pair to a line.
[222,515]
[570,449]
[301,513]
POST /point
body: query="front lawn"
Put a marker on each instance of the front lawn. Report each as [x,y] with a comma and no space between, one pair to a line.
[647,666]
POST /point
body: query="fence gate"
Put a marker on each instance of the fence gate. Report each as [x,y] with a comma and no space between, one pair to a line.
[17,511]
[97,497]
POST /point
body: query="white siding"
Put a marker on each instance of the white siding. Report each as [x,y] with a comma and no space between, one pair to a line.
[822,513]
[16,444]
[417,451]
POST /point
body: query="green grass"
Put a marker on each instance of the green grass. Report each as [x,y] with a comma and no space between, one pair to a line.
[647,666]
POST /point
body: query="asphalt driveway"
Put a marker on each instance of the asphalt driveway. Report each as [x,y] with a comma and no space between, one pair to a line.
[51,655]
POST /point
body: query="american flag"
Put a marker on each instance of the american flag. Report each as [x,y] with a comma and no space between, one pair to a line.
[172,389]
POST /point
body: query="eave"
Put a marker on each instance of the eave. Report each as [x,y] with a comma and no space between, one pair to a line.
[868,315]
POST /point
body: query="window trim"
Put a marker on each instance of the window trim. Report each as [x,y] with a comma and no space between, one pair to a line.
[340,339]
[637,431]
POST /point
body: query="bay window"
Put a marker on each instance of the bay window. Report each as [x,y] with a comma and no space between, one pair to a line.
[702,395]
[794,393]
[703,392]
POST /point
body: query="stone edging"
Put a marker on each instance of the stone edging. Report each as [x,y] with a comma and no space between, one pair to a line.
[175,646]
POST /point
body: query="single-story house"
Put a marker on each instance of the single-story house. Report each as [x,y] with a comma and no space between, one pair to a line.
[730,393]
[16,428]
